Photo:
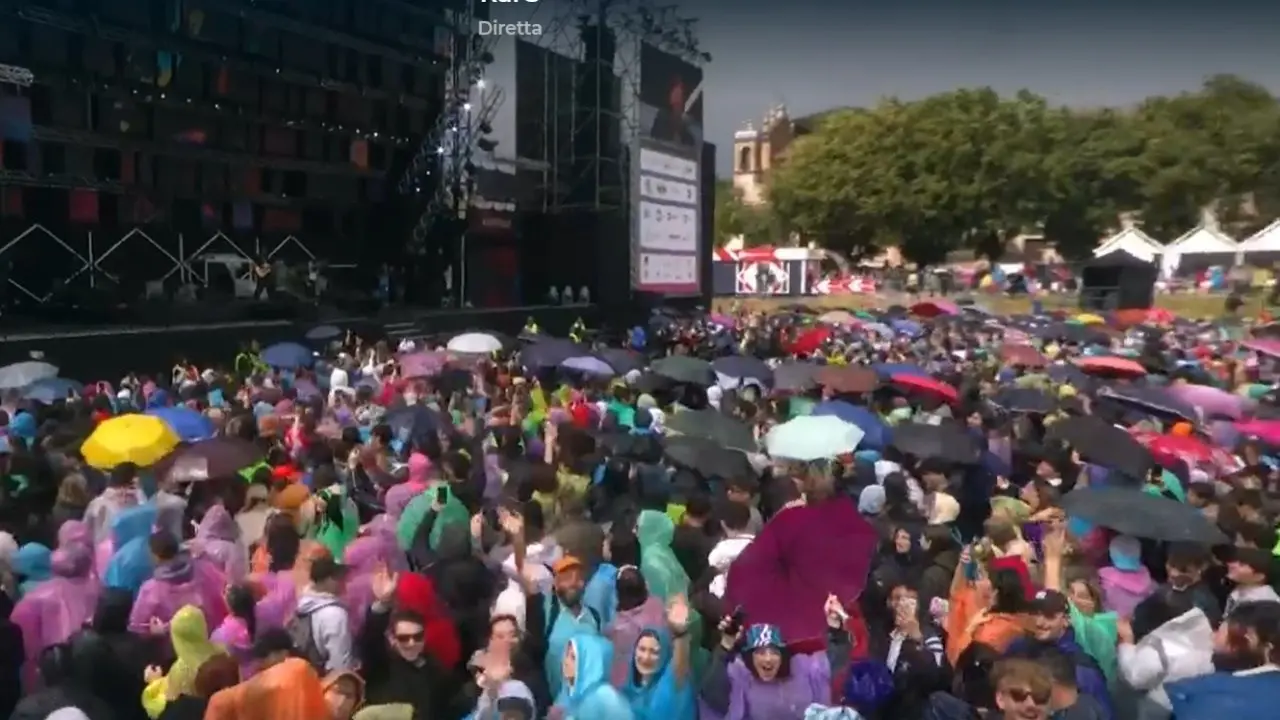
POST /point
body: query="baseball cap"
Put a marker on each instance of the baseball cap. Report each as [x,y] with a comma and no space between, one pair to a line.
[565,564]
[1049,602]
[326,568]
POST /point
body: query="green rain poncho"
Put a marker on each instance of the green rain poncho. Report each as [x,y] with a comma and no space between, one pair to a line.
[416,511]
[340,523]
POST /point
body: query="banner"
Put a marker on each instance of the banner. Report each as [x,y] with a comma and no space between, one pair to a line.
[667,223]
[670,98]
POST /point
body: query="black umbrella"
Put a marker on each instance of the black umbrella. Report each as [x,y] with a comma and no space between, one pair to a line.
[650,383]
[947,441]
[621,360]
[744,368]
[795,376]
[1143,515]
[707,458]
[413,422]
[685,369]
[1102,443]
[550,353]
[1157,401]
[1025,400]
[712,425]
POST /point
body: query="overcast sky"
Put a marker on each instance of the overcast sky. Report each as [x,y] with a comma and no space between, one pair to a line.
[815,54]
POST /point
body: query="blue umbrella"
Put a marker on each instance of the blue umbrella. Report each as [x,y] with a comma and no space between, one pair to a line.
[323,333]
[51,389]
[907,327]
[1156,400]
[589,365]
[186,423]
[887,370]
[875,432]
[288,355]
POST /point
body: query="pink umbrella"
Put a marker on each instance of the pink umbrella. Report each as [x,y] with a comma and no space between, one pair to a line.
[422,364]
[1267,431]
[1211,400]
[1266,346]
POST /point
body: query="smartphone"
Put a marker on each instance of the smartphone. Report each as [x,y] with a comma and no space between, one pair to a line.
[909,606]
[442,495]
[736,620]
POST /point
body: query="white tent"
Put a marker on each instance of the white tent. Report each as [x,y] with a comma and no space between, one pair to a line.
[1133,241]
[1204,239]
[1265,240]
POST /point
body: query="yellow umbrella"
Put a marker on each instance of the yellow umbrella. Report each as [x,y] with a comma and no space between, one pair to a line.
[140,439]
[1090,319]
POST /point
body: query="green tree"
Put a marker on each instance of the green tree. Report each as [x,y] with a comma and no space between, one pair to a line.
[734,217]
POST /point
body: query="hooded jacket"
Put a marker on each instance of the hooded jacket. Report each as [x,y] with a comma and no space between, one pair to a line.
[1179,649]
[330,629]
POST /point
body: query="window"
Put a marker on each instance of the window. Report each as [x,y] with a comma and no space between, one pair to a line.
[744,159]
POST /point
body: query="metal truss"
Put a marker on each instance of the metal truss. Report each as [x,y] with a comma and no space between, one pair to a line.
[14,75]
[442,165]
[632,23]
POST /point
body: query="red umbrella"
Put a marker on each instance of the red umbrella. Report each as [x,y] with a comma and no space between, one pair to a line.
[1110,365]
[803,555]
[934,308]
[1194,451]
[1025,355]
[926,384]
[809,341]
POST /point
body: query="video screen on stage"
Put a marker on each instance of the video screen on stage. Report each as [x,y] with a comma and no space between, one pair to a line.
[670,98]
[667,227]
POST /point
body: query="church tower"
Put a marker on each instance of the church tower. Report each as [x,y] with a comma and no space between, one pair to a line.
[757,152]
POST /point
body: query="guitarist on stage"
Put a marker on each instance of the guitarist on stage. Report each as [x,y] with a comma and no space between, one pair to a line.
[261,278]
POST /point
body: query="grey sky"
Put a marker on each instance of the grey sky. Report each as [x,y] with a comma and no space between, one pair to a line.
[814,55]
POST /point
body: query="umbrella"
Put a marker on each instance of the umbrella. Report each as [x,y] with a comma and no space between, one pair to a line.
[741,369]
[685,369]
[1025,400]
[51,389]
[809,341]
[707,458]
[1194,451]
[875,432]
[839,317]
[189,424]
[1142,515]
[288,355]
[140,439]
[650,383]
[795,376]
[1212,401]
[934,308]
[475,343]
[22,374]
[712,425]
[588,365]
[550,353]
[413,422]
[1110,365]
[927,385]
[323,333]
[1023,355]
[215,458]
[622,361]
[1102,443]
[802,555]
[888,370]
[812,437]
[848,379]
[909,328]
[947,441]
[422,364]
[1152,399]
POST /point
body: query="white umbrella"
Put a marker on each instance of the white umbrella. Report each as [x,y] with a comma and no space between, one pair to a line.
[812,437]
[475,344]
[22,374]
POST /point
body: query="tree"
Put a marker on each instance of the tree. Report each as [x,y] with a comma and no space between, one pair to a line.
[734,217]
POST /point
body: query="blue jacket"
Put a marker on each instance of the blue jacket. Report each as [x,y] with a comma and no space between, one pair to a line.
[1089,678]
[1223,696]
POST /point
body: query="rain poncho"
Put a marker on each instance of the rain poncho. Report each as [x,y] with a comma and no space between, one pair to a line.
[414,513]
[54,610]
[176,583]
[190,637]
[340,523]
[33,565]
[216,541]
[130,564]
[288,691]
[362,559]
[664,697]
[590,696]
[663,574]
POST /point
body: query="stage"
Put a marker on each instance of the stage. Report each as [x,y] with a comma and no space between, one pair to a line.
[109,352]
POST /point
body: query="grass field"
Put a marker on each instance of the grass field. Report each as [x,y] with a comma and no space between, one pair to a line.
[1194,306]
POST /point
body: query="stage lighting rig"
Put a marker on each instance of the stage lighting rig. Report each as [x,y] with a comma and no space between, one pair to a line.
[14,75]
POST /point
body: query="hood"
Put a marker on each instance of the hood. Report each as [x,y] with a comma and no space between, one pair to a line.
[75,532]
[455,542]
[120,497]
[180,569]
[310,602]
[594,654]
[726,551]
[654,529]
[333,679]
[111,616]
[290,690]
[1134,582]
[664,654]
[217,524]
[132,524]
[33,561]
[189,632]
[72,561]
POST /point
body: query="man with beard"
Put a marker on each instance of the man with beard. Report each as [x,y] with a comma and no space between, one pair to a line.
[1052,631]
[1246,653]
[566,615]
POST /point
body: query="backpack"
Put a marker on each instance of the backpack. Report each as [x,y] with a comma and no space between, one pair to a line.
[302,633]
[553,614]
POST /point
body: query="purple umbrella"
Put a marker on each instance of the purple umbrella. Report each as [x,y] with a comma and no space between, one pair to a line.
[803,554]
[422,364]
[588,364]
[1212,401]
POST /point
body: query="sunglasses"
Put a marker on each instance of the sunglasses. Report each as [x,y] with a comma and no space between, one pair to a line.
[1021,695]
[410,638]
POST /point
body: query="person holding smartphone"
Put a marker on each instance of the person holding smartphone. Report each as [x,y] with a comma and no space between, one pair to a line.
[911,647]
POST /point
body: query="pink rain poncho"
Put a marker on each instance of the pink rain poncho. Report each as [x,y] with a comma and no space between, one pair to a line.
[362,558]
[181,581]
[216,542]
[51,612]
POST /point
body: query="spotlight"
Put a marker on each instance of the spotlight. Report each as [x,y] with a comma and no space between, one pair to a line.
[480,83]
[486,144]
[485,128]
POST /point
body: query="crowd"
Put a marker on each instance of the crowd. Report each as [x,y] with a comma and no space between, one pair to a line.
[928,512]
